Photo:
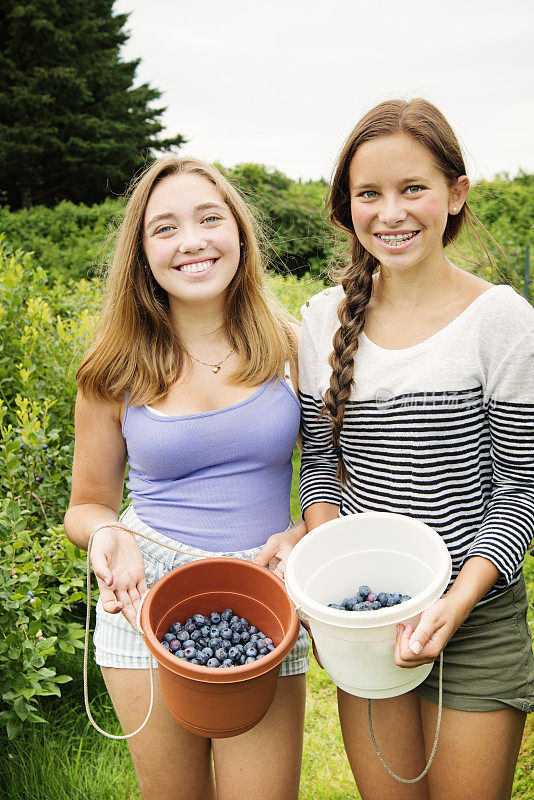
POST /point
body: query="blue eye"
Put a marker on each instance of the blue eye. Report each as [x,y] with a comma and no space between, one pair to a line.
[211,218]
[163,229]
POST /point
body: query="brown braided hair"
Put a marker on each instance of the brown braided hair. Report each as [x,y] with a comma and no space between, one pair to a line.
[422,121]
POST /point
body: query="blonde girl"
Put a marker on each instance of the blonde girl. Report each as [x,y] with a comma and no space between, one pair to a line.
[417,389]
[190,381]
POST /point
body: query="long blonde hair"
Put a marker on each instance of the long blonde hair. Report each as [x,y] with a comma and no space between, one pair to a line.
[136,350]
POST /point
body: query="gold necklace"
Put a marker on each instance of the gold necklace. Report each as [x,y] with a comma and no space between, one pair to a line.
[214,367]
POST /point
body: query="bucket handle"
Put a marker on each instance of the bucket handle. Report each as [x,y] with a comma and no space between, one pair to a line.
[86,646]
[434,747]
[301,615]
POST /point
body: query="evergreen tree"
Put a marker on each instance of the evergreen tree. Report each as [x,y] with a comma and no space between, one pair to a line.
[72,126]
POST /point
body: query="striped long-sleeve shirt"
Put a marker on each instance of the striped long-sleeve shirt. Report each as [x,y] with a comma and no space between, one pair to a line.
[442,431]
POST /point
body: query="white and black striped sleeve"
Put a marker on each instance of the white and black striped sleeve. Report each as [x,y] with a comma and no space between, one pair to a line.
[508,524]
[318,482]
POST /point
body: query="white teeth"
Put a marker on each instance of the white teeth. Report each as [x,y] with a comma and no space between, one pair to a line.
[200,266]
[396,239]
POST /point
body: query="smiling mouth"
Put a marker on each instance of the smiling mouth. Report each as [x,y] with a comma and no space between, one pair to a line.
[397,239]
[197,266]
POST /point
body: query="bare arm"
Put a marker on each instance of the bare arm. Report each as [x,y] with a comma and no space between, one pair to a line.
[97,485]
[98,469]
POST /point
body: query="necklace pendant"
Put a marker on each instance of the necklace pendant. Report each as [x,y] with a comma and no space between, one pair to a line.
[216,368]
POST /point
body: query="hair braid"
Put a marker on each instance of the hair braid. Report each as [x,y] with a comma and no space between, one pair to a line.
[357,282]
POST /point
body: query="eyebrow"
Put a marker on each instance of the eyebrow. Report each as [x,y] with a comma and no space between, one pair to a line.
[201,207]
[415,179]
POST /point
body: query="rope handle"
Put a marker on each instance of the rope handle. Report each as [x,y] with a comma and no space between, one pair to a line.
[438,725]
[139,631]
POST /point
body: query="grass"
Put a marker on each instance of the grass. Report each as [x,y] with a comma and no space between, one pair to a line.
[66,759]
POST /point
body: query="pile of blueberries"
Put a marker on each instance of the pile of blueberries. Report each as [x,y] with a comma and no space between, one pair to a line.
[367,600]
[220,639]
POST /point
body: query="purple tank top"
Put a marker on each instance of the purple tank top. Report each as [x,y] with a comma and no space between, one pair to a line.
[219,480]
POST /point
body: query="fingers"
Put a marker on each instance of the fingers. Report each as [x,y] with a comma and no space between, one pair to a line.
[100,567]
[411,648]
[267,552]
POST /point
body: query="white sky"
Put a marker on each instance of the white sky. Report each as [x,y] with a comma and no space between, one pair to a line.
[283,83]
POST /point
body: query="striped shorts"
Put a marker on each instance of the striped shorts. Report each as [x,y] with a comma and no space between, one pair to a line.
[115,641]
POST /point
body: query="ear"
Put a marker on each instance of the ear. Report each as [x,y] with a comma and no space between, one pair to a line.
[458,194]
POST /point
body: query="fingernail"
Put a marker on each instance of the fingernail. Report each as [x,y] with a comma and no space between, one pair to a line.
[416,647]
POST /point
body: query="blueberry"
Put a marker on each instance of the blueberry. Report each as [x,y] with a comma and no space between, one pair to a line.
[245,622]
[194,661]
[267,642]
[260,635]
[38,479]
[234,620]
[392,600]
[182,636]
[226,645]
[201,658]
[236,637]
[199,619]
[187,643]
[364,590]
[405,597]
[189,652]
[205,631]
[376,605]
[227,614]
[220,653]
[242,659]
[190,627]
[226,633]
[215,617]
[174,646]
[262,651]
[271,647]
[382,598]
[212,662]
[180,654]
[176,628]
[371,597]
[169,637]
[251,651]
[215,642]
[166,645]
[254,629]
[249,660]
[227,663]
[244,637]
[208,652]
[195,636]
[366,606]
[233,653]
[214,630]
[254,637]
[347,606]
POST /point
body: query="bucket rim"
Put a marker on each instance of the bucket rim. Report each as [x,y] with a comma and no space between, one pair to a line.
[203,674]
[378,618]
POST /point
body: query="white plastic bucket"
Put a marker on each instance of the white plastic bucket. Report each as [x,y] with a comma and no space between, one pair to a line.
[389,553]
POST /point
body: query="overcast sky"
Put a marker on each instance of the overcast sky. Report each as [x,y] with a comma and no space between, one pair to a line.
[282,82]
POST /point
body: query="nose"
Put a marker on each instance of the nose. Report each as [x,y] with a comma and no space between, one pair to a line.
[192,240]
[392,211]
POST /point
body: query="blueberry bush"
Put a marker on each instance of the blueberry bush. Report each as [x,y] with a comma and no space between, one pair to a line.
[41,574]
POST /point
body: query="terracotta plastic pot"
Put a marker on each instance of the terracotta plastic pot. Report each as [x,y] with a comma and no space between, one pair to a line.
[211,701]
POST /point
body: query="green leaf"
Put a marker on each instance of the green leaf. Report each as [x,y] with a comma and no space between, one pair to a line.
[62,678]
[65,646]
[14,727]
[21,708]
[45,672]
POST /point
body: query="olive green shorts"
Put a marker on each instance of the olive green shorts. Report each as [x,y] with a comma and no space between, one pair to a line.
[488,663]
